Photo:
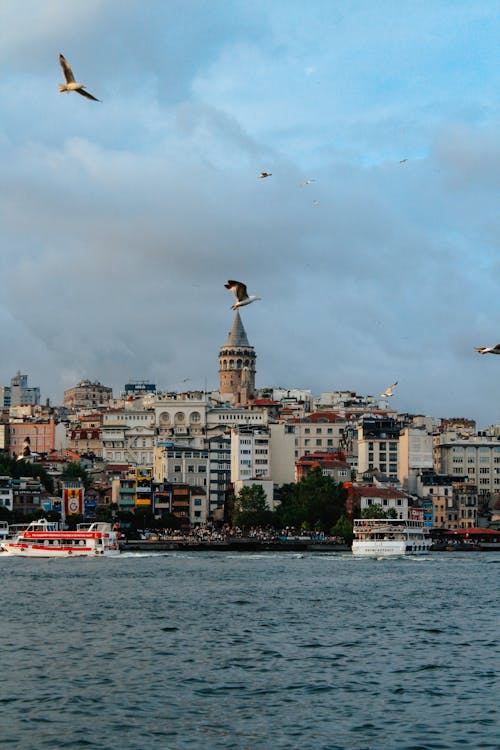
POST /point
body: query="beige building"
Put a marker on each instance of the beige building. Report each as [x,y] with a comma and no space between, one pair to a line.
[180,464]
[282,452]
[87,395]
[477,458]
[415,456]
[318,431]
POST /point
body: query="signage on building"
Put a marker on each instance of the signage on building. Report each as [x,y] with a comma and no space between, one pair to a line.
[72,498]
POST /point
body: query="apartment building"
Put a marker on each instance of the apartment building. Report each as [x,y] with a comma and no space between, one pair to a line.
[41,436]
[181,464]
[451,500]
[250,454]
[318,431]
[477,457]
[128,436]
[415,455]
[87,394]
[18,392]
[378,445]
[389,498]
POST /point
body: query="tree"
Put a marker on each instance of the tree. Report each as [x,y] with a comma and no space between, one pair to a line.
[343,528]
[250,508]
[316,500]
[10,467]
[74,470]
[376,511]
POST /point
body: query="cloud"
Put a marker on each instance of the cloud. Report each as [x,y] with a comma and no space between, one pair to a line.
[121,222]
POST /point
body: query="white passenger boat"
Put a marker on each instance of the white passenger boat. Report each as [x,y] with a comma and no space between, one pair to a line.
[44,539]
[4,531]
[390,537]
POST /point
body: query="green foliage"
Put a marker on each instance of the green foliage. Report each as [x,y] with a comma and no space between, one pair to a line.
[104,513]
[74,470]
[343,528]
[250,508]
[316,500]
[376,511]
[10,467]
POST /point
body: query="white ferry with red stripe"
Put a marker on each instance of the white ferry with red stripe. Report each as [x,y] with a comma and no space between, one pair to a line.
[44,539]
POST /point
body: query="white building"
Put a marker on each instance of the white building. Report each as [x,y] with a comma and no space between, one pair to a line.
[128,436]
[250,454]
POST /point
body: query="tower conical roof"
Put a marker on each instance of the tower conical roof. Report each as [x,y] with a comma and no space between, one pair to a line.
[237,335]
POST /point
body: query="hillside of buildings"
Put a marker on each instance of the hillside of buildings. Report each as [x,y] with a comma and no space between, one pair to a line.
[188,458]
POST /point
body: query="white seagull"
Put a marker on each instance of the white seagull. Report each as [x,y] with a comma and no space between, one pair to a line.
[488,349]
[306,182]
[388,391]
[263,175]
[241,294]
[71,84]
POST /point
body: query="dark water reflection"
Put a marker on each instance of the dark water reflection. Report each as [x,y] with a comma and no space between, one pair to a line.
[249,652]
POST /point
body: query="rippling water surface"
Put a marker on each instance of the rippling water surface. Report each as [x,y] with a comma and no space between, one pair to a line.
[319,652]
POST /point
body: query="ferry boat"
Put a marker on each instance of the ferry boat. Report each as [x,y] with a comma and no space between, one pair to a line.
[390,537]
[4,531]
[44,539]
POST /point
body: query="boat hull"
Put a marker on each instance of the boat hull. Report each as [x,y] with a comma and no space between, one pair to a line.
[387,549]
[20,550]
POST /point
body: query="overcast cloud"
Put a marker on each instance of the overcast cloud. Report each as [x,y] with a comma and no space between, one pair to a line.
[121,221]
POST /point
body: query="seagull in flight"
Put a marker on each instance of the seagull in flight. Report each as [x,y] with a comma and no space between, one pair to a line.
[488,349]
[263,175]
[306,182]
[388,391]
[403,161]
[241,294]
[71,84]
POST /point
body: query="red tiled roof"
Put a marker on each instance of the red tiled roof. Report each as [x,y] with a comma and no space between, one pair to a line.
[378,492]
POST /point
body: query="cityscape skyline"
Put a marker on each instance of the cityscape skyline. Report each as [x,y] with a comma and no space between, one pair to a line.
[373,242]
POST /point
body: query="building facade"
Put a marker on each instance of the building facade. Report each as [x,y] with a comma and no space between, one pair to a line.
[237,365]
[87,395]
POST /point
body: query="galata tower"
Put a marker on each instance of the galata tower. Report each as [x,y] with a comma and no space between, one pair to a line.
[237,365]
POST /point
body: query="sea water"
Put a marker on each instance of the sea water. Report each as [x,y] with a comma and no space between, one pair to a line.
[249,652]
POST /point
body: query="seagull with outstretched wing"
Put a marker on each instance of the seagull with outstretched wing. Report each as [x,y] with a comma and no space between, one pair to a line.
[488,349]
[71,84]
[241,294]
[263,175]
[389,391]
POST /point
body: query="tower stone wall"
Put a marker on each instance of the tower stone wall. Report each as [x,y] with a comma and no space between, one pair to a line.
[237,365]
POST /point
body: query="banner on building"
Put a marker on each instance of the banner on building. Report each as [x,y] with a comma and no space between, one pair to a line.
[72,498]
[416,514]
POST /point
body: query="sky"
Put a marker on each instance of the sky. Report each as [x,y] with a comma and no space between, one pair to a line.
[121,220]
